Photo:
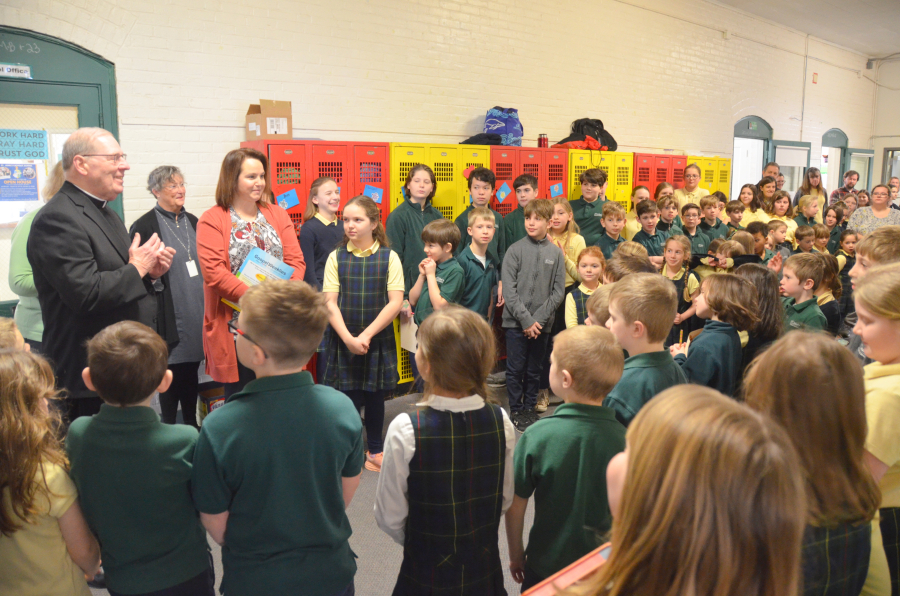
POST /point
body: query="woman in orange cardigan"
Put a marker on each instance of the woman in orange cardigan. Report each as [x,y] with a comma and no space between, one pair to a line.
[243,219]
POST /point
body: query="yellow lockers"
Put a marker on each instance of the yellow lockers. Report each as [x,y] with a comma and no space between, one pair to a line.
[404,368]
[715,173]
[709,169]
[618,166]
[448,162]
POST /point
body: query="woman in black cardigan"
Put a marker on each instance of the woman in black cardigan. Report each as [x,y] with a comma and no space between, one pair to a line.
[179,292]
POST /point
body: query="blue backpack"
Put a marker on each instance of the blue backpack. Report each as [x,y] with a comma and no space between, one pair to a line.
[504,122]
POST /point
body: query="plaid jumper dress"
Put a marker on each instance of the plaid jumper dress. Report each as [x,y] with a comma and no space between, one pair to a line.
[580,299]
[846,301]
[455,488]
[362,296]
[836,559]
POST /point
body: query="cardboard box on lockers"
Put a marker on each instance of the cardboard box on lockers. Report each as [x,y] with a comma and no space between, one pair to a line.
[269,119]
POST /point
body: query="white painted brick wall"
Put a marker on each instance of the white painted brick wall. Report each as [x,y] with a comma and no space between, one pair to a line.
[660,75]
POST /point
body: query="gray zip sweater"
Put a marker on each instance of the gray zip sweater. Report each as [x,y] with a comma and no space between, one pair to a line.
[534,283]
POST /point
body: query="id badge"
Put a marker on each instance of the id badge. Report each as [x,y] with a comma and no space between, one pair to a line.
[192,268]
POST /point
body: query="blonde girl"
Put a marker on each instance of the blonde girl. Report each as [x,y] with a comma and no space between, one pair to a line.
[704,486]
[813,387]
[812,185]
[449,527]
[677,255]
[564,233]
[807,209]
[632,225]
[46,547]
[877,298]
[591,264]
[364,289]
[322,231]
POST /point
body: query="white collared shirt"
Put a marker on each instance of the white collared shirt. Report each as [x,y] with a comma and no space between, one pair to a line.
[392,494]
[95,197]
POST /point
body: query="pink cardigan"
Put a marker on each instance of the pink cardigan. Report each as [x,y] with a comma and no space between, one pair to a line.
[213,237]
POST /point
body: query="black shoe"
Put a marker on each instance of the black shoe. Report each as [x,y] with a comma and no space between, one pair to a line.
[519,420]
[533,415]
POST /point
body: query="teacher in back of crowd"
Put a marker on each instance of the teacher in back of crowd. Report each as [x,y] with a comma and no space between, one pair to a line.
[244,218]
[179,292]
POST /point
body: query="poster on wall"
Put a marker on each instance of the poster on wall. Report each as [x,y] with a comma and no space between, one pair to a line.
[19,191]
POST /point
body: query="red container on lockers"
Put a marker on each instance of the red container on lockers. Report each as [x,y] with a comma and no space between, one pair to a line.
[549,166]
[651,169]
[293,165]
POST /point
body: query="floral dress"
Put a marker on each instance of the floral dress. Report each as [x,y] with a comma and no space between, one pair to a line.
[247,235]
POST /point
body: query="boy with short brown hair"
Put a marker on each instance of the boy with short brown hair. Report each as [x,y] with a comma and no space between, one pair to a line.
[879,247]
[283,444]
[565,450]
[801,276]
[588,209]
[735,212]
[642,309]
[613,221]
[133,472]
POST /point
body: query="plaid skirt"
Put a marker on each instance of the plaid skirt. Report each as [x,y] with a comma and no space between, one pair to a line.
[346,371]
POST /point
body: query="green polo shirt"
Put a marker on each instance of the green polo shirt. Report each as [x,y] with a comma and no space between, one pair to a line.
[513,227]
[806,315]
[767,256]
[608,246]
[560,456]
[654,244]
[719,230]
[672,228]
[274,457]
[496,247]
[834,240]
[643,377]
[133,475]
[588,216]
[731,229]
[451,280]
[699,241]
[480,282]
[802,220]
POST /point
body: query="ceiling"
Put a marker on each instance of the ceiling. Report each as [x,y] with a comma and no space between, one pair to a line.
[871,27]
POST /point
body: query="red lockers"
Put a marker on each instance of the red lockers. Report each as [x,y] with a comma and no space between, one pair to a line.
[293,165]
[549,166]
[650,170]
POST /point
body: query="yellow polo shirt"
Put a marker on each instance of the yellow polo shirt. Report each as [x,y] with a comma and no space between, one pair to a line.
[34,560]
[683,197]
[324,220]
[572,245]
[332,283]
[690,287]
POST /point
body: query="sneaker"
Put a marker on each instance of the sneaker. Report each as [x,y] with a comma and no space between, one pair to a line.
[373,462]
[543,400]
[497,379]
[529,417]
[519,420]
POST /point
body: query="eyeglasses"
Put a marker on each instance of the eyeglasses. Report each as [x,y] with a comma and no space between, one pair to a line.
[113,157]
[232,326]
[692,175]
[174,186]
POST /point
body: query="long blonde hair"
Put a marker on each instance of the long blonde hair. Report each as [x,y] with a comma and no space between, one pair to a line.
[460,350]
[814,388]
[29,437]
[313,208]
[572,227]
[713,503]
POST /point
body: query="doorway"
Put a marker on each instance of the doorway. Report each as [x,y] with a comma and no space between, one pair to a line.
[834,153]
[746,163]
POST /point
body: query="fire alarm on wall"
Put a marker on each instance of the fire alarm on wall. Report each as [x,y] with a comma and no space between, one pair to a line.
[815,78]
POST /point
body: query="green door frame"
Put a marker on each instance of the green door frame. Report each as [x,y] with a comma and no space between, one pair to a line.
[870,153]
[64,74]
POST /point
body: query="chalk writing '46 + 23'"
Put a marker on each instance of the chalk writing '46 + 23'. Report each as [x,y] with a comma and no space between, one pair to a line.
[11,47]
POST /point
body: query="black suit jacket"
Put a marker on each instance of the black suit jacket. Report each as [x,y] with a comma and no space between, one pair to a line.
[79,255]
[146,226]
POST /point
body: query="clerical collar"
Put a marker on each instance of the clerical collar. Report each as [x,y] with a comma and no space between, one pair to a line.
[96,200]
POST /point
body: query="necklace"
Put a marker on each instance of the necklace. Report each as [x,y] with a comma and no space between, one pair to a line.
[174,233]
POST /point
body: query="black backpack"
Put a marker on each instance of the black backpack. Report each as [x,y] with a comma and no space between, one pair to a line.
[591,127]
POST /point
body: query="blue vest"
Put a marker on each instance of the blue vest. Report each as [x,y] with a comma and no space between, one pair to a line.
[580,299]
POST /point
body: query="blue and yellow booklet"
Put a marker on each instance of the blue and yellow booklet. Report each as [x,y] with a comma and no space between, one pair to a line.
[257,268]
